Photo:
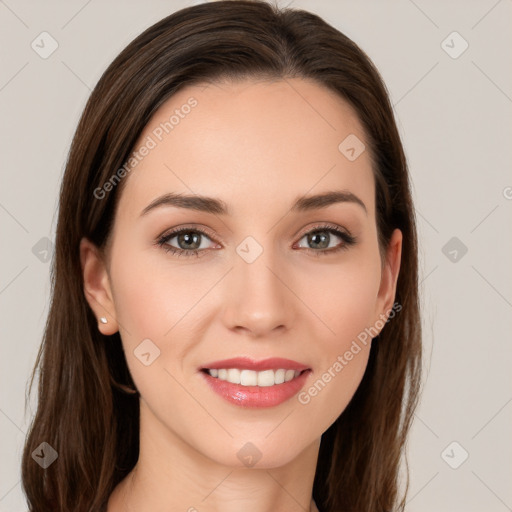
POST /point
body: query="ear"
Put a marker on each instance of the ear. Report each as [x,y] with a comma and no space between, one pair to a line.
[389,277]
[97,287]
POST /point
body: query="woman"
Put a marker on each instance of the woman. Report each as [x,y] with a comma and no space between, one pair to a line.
[235,320]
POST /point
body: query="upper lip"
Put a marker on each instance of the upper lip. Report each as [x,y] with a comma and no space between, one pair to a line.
[246,363]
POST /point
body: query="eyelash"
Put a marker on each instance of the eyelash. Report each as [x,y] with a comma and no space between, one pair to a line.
[348,241]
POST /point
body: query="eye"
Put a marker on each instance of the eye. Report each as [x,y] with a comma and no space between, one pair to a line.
[188,240]
[321,237]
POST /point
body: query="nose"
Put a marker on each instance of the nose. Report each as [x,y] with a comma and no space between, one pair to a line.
[258,296]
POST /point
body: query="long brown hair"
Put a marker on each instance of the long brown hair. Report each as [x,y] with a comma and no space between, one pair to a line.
[85,409]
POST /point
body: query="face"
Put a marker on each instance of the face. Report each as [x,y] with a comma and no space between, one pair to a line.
[263,279]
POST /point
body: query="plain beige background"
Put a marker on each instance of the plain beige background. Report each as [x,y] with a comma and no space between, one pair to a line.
[453,106]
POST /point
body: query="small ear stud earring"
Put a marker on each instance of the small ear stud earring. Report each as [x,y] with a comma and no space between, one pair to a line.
[103,320]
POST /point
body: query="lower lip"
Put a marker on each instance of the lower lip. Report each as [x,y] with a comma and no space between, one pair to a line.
[256,396]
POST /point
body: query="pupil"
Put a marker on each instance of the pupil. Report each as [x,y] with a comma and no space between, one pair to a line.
[187,237]
[323,243]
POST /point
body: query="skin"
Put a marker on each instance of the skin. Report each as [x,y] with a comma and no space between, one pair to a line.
[257,145]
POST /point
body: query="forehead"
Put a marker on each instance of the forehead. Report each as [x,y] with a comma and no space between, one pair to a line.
[255,144]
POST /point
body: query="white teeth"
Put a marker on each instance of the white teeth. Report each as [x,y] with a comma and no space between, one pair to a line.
[248,378]
[266,378]
[234,375]
[289,375]
[279,376]
[252,378]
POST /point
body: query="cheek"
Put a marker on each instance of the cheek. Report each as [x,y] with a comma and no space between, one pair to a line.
[158,302]
[149,298]
[151,304]
[345,300]
[330,389]
[347,307]
[342,356]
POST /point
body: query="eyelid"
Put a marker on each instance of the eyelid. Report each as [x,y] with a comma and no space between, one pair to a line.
[187,227]
[194,227]
[323,226]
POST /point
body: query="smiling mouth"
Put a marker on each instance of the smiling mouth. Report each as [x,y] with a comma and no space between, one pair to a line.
[244,377]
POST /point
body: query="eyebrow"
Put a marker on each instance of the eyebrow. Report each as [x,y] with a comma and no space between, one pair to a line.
[219,207]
